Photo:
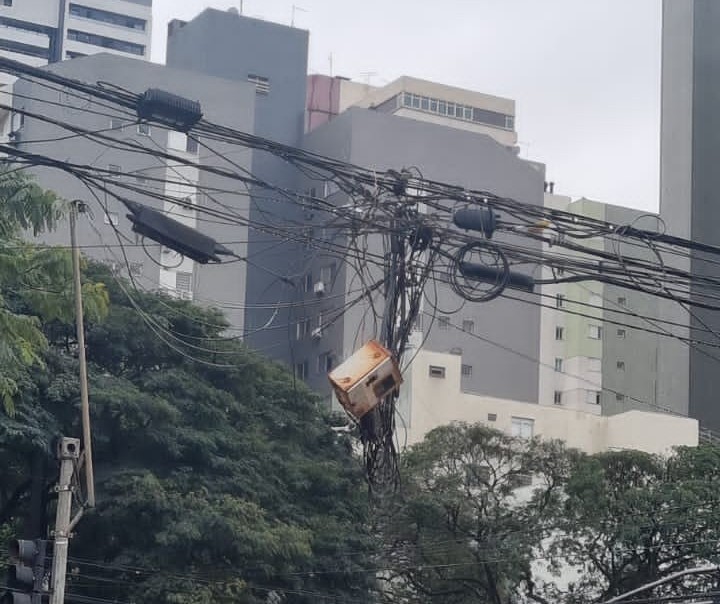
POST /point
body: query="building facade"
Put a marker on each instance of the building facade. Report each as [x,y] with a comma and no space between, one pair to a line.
[273,59]
[417,99]
[597,354]
[419,412]
[105,232]
[689,181]
[477,333]
[47,31]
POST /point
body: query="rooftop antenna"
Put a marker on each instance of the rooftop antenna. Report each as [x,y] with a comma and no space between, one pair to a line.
[296,8]
[367,75]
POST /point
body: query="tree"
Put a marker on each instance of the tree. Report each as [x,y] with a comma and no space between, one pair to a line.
[631,518]
[470,519]
[218,477]
[35,283]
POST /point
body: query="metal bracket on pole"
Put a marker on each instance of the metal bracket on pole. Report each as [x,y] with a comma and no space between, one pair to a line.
[68,453]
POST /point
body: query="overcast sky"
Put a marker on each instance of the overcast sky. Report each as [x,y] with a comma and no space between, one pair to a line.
[585,75]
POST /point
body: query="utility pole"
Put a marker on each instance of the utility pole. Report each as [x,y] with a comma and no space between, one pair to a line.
[68,453]
[77,207]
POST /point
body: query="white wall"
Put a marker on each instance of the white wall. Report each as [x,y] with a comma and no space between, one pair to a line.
[429,402]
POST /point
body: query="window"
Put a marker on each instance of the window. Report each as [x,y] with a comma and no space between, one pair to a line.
[105,42]
[114,168]
[325,362]
[466,370]
[619,396]
[262,84]
[558,365]
[407,99]
[620,365]
[621,334]
[592,397]
[301,370]
[522,427]
[521,480]
[596,300]
[140,179]
[320,319]
[7,2]
[308,282]
[183,281]
[557,397]
[116,124]
[436,371]
[326,274]
[191,145]
[560,271]
[444,322]
[559,300]
[492,417]
[104,16]
[595,332]
[143,128]
[594,364]
[559,333]
[468,325]
[622,301]
[302,328]
[111,218]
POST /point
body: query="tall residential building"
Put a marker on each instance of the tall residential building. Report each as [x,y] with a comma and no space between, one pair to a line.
[593,358]
[418,99]
[105,232]
[273,59]
[689,184]
[477,333]
[37,32]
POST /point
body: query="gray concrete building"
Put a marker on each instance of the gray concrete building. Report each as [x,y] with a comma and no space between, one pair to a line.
[381,141]
[273,58]
[689,185]
[105,231]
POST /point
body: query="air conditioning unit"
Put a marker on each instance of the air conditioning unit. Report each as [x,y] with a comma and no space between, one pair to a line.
[316,333]
[319,288]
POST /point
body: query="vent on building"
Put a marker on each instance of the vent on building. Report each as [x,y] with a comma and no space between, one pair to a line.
[492,417]
[436,371]
[557,397]
[262,84]
[466,370]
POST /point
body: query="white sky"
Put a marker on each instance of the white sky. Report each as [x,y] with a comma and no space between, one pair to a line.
[585,74]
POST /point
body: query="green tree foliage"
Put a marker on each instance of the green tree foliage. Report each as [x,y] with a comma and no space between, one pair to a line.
[218,477]
[631,518]
[469,523]
[591,527]
[35,283]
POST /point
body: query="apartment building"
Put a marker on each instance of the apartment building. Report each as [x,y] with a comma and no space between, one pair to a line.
[105,231]
[597,355]
[417,99]
[47,31]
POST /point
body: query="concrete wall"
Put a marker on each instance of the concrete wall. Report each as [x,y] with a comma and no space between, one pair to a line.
[226,102]
[689,183]
[428,402]
[381,141]
[228,45]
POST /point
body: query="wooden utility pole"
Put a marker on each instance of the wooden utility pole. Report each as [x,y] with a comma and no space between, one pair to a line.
[79,206]
[68,453]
